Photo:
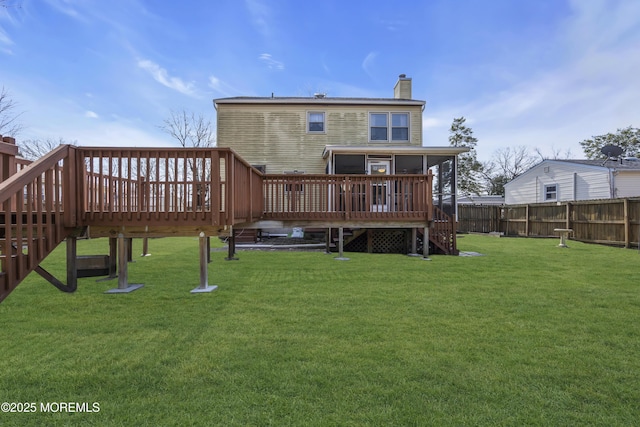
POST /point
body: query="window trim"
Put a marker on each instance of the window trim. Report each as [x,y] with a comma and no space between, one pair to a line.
[324,122]
[546,192]
[390,126]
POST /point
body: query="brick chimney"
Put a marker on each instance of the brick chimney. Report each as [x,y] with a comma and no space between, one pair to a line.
[402,89]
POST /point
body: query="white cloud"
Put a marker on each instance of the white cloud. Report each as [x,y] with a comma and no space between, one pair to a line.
[271,63]
[65,7]
[221,87]
[91,115]
[162,76]
[5,43]
[591,91]
[260,16]
[369,62]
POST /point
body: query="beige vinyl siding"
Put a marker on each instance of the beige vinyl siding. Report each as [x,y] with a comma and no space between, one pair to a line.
[275,134]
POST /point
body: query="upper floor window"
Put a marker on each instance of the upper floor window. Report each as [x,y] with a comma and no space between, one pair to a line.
[379,126]
[551,192]
[315,122]
[399,126]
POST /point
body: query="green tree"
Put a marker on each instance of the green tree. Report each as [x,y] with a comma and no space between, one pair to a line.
[628,139]
[469,168]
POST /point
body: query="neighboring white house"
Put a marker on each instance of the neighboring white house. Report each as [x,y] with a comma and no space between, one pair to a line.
[481,200]
[568,180]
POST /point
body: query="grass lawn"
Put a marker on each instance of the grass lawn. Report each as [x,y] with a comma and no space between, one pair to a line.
[528,334]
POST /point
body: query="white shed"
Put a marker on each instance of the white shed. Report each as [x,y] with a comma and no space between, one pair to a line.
[568,180]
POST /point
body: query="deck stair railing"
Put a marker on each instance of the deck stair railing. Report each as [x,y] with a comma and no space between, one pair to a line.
[36,216]
[442,232]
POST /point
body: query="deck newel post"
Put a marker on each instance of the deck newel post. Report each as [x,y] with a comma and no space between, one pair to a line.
[123,270]
[72,267]
[204,272]
[340,256]
[425,244]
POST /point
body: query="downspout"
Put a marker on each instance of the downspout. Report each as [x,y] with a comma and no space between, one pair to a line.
[611,184]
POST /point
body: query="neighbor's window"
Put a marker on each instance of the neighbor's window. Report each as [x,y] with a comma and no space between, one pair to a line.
[551,192]
[315,120]
[379,126]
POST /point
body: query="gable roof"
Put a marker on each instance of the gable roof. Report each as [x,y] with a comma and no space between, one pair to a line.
[284,100]
[619,164]
[605,165]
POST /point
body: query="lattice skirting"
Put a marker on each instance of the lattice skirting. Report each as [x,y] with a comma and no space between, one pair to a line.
[392,241]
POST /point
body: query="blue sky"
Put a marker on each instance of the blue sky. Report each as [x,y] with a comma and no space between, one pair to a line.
[541,73]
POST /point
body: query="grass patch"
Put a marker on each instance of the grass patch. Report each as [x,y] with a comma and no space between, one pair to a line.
[528,334]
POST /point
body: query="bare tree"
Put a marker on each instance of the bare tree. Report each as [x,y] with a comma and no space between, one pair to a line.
[33,149]
[189,130]
[556,154]
[193,131]
[507,163]
[9,118]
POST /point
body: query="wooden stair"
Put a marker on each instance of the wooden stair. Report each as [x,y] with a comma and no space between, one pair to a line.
[24,250]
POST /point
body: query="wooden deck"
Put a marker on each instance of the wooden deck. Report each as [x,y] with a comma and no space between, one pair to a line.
[152,192]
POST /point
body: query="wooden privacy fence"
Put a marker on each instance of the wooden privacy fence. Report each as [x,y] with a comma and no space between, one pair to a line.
[610,221]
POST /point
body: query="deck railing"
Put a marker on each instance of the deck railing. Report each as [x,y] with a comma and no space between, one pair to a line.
[166,186]
[347,197]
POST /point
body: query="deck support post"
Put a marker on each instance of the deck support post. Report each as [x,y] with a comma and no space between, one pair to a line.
[232,246]
[425,244]
[113,260]
[129,242]
[145,246]
[414,242]
[124,287]
[340,256]
[327,249]
[72,258]
[204,272]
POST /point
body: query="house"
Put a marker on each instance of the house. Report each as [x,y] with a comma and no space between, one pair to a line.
[482,200]
[568,180]
[340,136]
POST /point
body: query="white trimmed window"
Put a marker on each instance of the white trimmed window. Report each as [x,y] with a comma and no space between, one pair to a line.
[379,127]
[551,192]
[315,122]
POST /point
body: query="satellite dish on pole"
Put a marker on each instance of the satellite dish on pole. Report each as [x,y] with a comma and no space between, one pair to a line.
[611,151]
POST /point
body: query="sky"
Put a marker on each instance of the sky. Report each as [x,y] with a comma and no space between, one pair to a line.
[545,74]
